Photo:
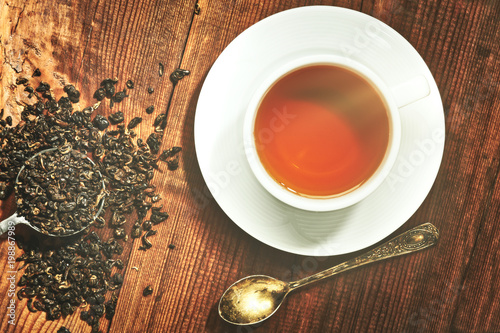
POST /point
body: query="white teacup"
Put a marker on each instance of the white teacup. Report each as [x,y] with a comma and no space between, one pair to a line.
[393,98]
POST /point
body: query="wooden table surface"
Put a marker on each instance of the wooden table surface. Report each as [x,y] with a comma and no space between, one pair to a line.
[451,287]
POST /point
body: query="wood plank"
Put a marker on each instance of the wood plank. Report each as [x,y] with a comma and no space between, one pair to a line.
[477,309]
[448,35]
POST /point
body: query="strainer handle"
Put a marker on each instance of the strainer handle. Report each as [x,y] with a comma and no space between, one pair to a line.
[11,222]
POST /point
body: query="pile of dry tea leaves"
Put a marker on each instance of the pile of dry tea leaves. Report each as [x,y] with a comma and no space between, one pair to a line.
[79,274]
[59,280]
[59,191]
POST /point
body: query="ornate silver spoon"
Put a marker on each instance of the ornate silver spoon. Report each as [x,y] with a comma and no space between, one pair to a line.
[257,297]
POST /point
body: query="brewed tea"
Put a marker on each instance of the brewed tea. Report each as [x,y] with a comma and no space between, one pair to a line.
[322,130]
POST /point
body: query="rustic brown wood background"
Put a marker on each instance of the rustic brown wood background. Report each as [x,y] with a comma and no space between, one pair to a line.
[451,287]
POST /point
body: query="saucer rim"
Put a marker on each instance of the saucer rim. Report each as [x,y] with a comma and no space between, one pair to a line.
[205,165]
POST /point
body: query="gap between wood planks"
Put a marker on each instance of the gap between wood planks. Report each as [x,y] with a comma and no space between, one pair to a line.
[193,15]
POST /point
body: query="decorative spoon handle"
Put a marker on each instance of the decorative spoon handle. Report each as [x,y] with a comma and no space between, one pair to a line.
[413,240]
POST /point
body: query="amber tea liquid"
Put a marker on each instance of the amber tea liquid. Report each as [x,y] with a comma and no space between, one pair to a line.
[322,131]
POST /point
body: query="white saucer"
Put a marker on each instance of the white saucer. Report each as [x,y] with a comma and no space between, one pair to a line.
[219,125]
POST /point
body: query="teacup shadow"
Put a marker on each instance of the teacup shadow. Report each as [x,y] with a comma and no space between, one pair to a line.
[319,227]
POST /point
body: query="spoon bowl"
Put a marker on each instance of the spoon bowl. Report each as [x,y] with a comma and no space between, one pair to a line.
[257,297]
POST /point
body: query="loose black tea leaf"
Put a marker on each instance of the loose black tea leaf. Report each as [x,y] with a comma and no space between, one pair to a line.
[21,80]
[130,84]
[109,87]
[147,291]
[117,279]
[136,231]
[73,94]
[171,246]
[146,244]
[161,69]
[160,122]
[169,153]
[173,164]
[150,90]
[178,75]
[150,109]
[159,119]
[30,306]
[146,225]
[119,233]
[87,112]
[64,104]
[116,118]
[43,87]
[100,122]
[110,307]
[119,96]
[158,217]
[197,9]
[134,122]
[100,94]
[153,143]
[36,73]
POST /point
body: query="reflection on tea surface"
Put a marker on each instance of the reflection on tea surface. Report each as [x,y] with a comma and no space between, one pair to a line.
[322,130]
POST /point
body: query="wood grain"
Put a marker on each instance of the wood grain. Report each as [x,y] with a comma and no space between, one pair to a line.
[451,287]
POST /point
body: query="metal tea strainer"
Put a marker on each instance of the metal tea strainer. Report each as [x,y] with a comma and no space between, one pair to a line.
[15,219]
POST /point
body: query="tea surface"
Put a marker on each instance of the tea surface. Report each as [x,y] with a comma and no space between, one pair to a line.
[322,131]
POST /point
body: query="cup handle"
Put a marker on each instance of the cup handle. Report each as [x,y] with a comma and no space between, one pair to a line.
[411,91]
